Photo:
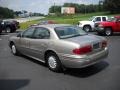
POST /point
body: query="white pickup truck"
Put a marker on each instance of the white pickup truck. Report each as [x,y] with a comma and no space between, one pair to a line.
[90,24]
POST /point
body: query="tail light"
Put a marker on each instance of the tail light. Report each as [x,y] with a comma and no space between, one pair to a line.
[83,50]
[104,44]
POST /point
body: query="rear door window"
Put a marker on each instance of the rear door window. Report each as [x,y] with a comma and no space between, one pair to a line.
[104,18]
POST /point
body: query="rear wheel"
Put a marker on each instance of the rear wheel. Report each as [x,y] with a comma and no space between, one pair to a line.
[8,30]
[53,62]
[87,28]
[108,32]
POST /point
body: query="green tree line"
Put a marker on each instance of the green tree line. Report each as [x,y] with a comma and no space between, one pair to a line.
[79,8]
[111,6]
[6,13]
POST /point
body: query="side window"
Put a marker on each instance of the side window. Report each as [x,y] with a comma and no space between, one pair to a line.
[41,33]
[28,33]
[98,19]
[104,18]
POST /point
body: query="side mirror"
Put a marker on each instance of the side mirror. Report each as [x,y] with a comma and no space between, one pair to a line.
[94,20]
[19,35]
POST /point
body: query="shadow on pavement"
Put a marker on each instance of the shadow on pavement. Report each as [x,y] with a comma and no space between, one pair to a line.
[33,60]
[13,84]
[88,71]
[3,33]
[83,72]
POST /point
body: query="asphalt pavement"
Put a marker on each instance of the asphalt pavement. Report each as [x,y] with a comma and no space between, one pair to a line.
[23,73]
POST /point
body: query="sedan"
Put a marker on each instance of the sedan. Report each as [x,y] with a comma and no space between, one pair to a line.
[60,46]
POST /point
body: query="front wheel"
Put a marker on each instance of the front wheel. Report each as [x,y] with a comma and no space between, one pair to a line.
[87,28]
[53,62]
[14,50]
[108,32]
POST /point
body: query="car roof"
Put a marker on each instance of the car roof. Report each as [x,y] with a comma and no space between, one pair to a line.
[52,25]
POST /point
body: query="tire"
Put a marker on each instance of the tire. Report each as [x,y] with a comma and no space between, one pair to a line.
[87,28]
[53,62]
[8,30]
[14,49]
[108,32]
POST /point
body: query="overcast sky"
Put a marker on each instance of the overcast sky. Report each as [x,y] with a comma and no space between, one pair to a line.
[40,6]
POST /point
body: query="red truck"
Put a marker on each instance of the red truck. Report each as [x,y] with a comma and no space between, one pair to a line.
[108,27]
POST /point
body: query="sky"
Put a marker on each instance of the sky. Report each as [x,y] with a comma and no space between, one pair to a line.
[40,6]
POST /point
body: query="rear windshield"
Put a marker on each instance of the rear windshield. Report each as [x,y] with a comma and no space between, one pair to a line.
[69,32]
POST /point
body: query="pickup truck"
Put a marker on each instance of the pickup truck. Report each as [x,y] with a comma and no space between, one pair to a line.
[8,26]
[109,27]
[89,25]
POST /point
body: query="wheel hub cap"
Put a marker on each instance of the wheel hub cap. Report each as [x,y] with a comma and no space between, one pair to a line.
[13,49]
[52,62]
[108,32]
[8,30]
[87,29]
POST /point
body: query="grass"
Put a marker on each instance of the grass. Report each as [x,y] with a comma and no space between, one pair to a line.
[27,24]
[66,19]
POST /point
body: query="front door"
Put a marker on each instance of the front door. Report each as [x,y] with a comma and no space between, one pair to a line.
[39,42]
[24,42]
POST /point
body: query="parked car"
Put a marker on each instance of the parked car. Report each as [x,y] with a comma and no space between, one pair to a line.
[90,24]
[60,45]
[44,22]
[9,26]
[109,27]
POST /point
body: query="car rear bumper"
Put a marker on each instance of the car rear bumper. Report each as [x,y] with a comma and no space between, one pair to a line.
[83,61]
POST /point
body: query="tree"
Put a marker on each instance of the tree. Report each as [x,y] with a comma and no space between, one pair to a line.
[79,8]
[6,13]
[112,6]
[55,9]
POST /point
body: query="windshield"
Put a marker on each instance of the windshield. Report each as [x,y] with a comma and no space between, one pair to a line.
[112,19]
[69,32]
[90,19]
